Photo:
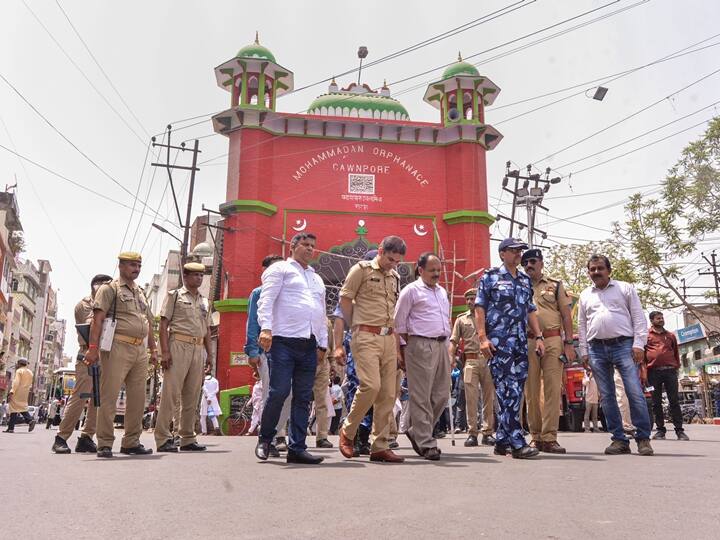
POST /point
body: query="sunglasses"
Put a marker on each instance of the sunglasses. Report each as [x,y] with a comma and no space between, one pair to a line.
[529,261]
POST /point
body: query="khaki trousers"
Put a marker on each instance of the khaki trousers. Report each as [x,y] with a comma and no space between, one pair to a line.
[125,364]
[427,364]
[477,372]
[82,394]
[543,412]
[376,366]
[181,383]
[320,390]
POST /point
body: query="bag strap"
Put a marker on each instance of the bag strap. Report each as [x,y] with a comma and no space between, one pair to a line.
[113,306]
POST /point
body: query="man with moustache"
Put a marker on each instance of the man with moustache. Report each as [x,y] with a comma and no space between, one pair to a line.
[504,309]
[291,313]
[612,335]
[422,319]
[553,309]
[124,303]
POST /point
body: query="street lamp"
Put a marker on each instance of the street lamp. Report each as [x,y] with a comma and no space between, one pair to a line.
[164,230]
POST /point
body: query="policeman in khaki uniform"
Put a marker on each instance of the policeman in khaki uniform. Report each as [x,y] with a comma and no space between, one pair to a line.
[127,361]
[184,333]
[553,308]
[367,301]
[476,371]
[83,385]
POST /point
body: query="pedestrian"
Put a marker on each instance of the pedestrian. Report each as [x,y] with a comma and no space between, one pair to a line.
[320,393]
[256,399]
[476,374]
[18,397]
[367,299]
[184,334]
[592,398]
[209,406]
[336,394]
[124,358]
[291,313]
[83,384]
[663,361]
[612,335]
[3,412]
[422,319]
[504,309]
[258,361]
[545,374]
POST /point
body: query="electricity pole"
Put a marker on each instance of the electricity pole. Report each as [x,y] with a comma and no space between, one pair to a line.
[527,196]
[170,167]
[712,261]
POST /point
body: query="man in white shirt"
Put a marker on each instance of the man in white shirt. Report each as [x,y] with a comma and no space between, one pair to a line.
[613,334]
[291,314]
[422,319]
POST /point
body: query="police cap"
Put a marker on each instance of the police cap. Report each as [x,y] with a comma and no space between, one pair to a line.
[470,292]
[512,243]
[532,254]
[130,256]
[193,267]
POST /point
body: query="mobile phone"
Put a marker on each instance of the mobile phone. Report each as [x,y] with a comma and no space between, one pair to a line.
[563,358]
[649,388]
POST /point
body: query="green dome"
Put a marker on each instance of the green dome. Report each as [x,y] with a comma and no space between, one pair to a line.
[460,68]
[358,106]
[255,50]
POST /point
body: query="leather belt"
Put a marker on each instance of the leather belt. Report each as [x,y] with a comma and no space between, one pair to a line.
[438,338]
[471,356]
[379,330]
[128,339]
[662,368]
[610,341]
[546,334]
[187,339]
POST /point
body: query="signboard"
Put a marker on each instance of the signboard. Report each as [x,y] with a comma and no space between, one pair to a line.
[712,369]
[690,333]
[238,359]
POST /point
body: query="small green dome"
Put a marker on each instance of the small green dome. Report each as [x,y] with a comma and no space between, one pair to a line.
[460,68]
[358,106]
[255,50]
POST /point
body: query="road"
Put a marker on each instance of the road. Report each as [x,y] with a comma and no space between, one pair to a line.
[225,492]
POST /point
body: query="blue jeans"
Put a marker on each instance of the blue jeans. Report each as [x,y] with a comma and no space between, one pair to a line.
[292,363]
[604,359]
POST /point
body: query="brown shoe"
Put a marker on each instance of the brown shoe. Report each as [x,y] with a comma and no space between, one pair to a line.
[386,456]
[644,448]
[536,444]
[346,444]
[552,447]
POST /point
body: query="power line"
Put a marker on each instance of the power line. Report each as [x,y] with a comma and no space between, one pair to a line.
[135,198]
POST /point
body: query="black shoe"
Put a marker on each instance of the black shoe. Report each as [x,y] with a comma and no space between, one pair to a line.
[488,440]
[356,447]
[526,452]
[60,446]
[659,436]
[105,452]
[167,446]
[272,451]
[280,444]
[365,449]
[138,450]
[303,457]
[31,426]
[323,443]
[415,446]
[682,436]
[439,435]
[84,445]
[393,444]
[500,450]
[262,450]
[471,441]
[8,431]
[176,440]
[193,447]
[432,454]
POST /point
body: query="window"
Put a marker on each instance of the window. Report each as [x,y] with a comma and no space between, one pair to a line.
[697,354]
[14,285]
[716,349]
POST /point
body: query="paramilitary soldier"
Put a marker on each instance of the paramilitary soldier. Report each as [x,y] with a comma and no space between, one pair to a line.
[374,287]
[83,385]
[184,333]
[476,372]
[503,310]
[127,360]
[553,308]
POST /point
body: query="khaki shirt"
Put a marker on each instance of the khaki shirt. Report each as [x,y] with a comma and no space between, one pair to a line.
[20,390]
[375,293]
[83,315]
[548,308]
[132,310]
[188,314]
[465,330]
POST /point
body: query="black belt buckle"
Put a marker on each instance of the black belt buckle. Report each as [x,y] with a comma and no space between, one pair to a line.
[611,341]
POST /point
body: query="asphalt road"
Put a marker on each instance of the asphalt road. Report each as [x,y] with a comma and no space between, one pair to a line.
[225,492]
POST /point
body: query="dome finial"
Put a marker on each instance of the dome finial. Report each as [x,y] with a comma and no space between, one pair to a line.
[257,38]
[385,83]
[459,57]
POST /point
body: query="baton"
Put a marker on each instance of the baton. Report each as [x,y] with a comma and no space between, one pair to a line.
[452,420]
[94,372]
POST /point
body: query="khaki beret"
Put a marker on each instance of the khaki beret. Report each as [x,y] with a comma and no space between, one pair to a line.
[194,267]
[131,256]
[470,292]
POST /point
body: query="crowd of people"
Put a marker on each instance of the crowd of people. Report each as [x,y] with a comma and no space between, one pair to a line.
[388,361]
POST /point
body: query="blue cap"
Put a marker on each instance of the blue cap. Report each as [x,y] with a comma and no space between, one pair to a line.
[512,243]
[370,255]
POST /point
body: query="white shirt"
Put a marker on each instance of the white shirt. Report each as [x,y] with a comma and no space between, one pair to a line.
[423,311]
[612,312]
[292,302]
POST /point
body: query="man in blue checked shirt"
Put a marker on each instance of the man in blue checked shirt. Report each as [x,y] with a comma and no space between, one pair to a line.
[503,309]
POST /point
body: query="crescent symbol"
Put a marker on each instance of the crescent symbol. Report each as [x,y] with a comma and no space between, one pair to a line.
[301,225]
[419,232]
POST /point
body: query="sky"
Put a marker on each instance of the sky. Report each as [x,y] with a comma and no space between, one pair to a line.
[150,64]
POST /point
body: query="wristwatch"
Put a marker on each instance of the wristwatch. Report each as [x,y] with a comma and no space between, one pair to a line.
[568,342]
[539,338]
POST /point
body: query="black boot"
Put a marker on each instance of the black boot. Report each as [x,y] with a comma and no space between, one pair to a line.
[60,446]
[85,445]
[363,438]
